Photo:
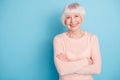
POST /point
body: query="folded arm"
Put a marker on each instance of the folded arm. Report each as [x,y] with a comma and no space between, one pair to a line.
[69,67]
[65,67]
[95,67]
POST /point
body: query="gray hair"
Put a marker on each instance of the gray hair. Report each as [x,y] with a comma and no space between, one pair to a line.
[73,8]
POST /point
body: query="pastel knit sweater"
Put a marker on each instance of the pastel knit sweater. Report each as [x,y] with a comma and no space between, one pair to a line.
[77,51]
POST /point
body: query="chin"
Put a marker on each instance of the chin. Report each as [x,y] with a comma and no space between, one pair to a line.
[75,29]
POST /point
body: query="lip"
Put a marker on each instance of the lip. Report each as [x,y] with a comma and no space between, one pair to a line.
[73,25]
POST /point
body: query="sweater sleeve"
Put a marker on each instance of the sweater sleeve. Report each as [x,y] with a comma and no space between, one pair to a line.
[94,68]
[65,67]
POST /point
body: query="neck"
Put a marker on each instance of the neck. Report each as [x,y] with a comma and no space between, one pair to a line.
[74,34]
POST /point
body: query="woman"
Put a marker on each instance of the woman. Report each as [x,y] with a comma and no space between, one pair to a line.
[76,52]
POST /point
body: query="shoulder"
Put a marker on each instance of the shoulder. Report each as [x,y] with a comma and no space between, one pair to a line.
[90,35]
[92,38]
[59,36]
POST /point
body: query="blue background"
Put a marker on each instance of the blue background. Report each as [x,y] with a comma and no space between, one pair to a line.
[27,28]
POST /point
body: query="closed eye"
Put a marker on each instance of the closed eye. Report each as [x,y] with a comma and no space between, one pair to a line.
[76,16]
[67,17]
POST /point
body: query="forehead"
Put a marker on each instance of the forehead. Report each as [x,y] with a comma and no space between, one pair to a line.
[72,14]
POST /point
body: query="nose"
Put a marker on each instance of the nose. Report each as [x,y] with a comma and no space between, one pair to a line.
[72,20]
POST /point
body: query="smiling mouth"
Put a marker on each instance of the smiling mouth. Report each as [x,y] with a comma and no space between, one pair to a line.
[73,25]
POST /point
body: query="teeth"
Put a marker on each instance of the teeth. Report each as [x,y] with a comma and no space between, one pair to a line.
[73,25]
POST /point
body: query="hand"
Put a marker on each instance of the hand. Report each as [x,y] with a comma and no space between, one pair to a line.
[62,57]
[90,61]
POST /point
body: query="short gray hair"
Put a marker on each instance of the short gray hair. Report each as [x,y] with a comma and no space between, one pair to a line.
[73,8]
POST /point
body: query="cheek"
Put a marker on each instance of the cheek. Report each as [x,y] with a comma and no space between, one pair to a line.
[67,22]
[79,20]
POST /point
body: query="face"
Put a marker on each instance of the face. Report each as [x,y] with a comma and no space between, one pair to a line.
[73,21]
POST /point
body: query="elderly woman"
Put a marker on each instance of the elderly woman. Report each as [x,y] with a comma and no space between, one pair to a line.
[76,52]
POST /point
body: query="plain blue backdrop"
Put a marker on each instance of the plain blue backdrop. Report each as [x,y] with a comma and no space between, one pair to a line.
[27,29]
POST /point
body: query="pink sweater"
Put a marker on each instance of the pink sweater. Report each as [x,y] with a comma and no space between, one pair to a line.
[77,51]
